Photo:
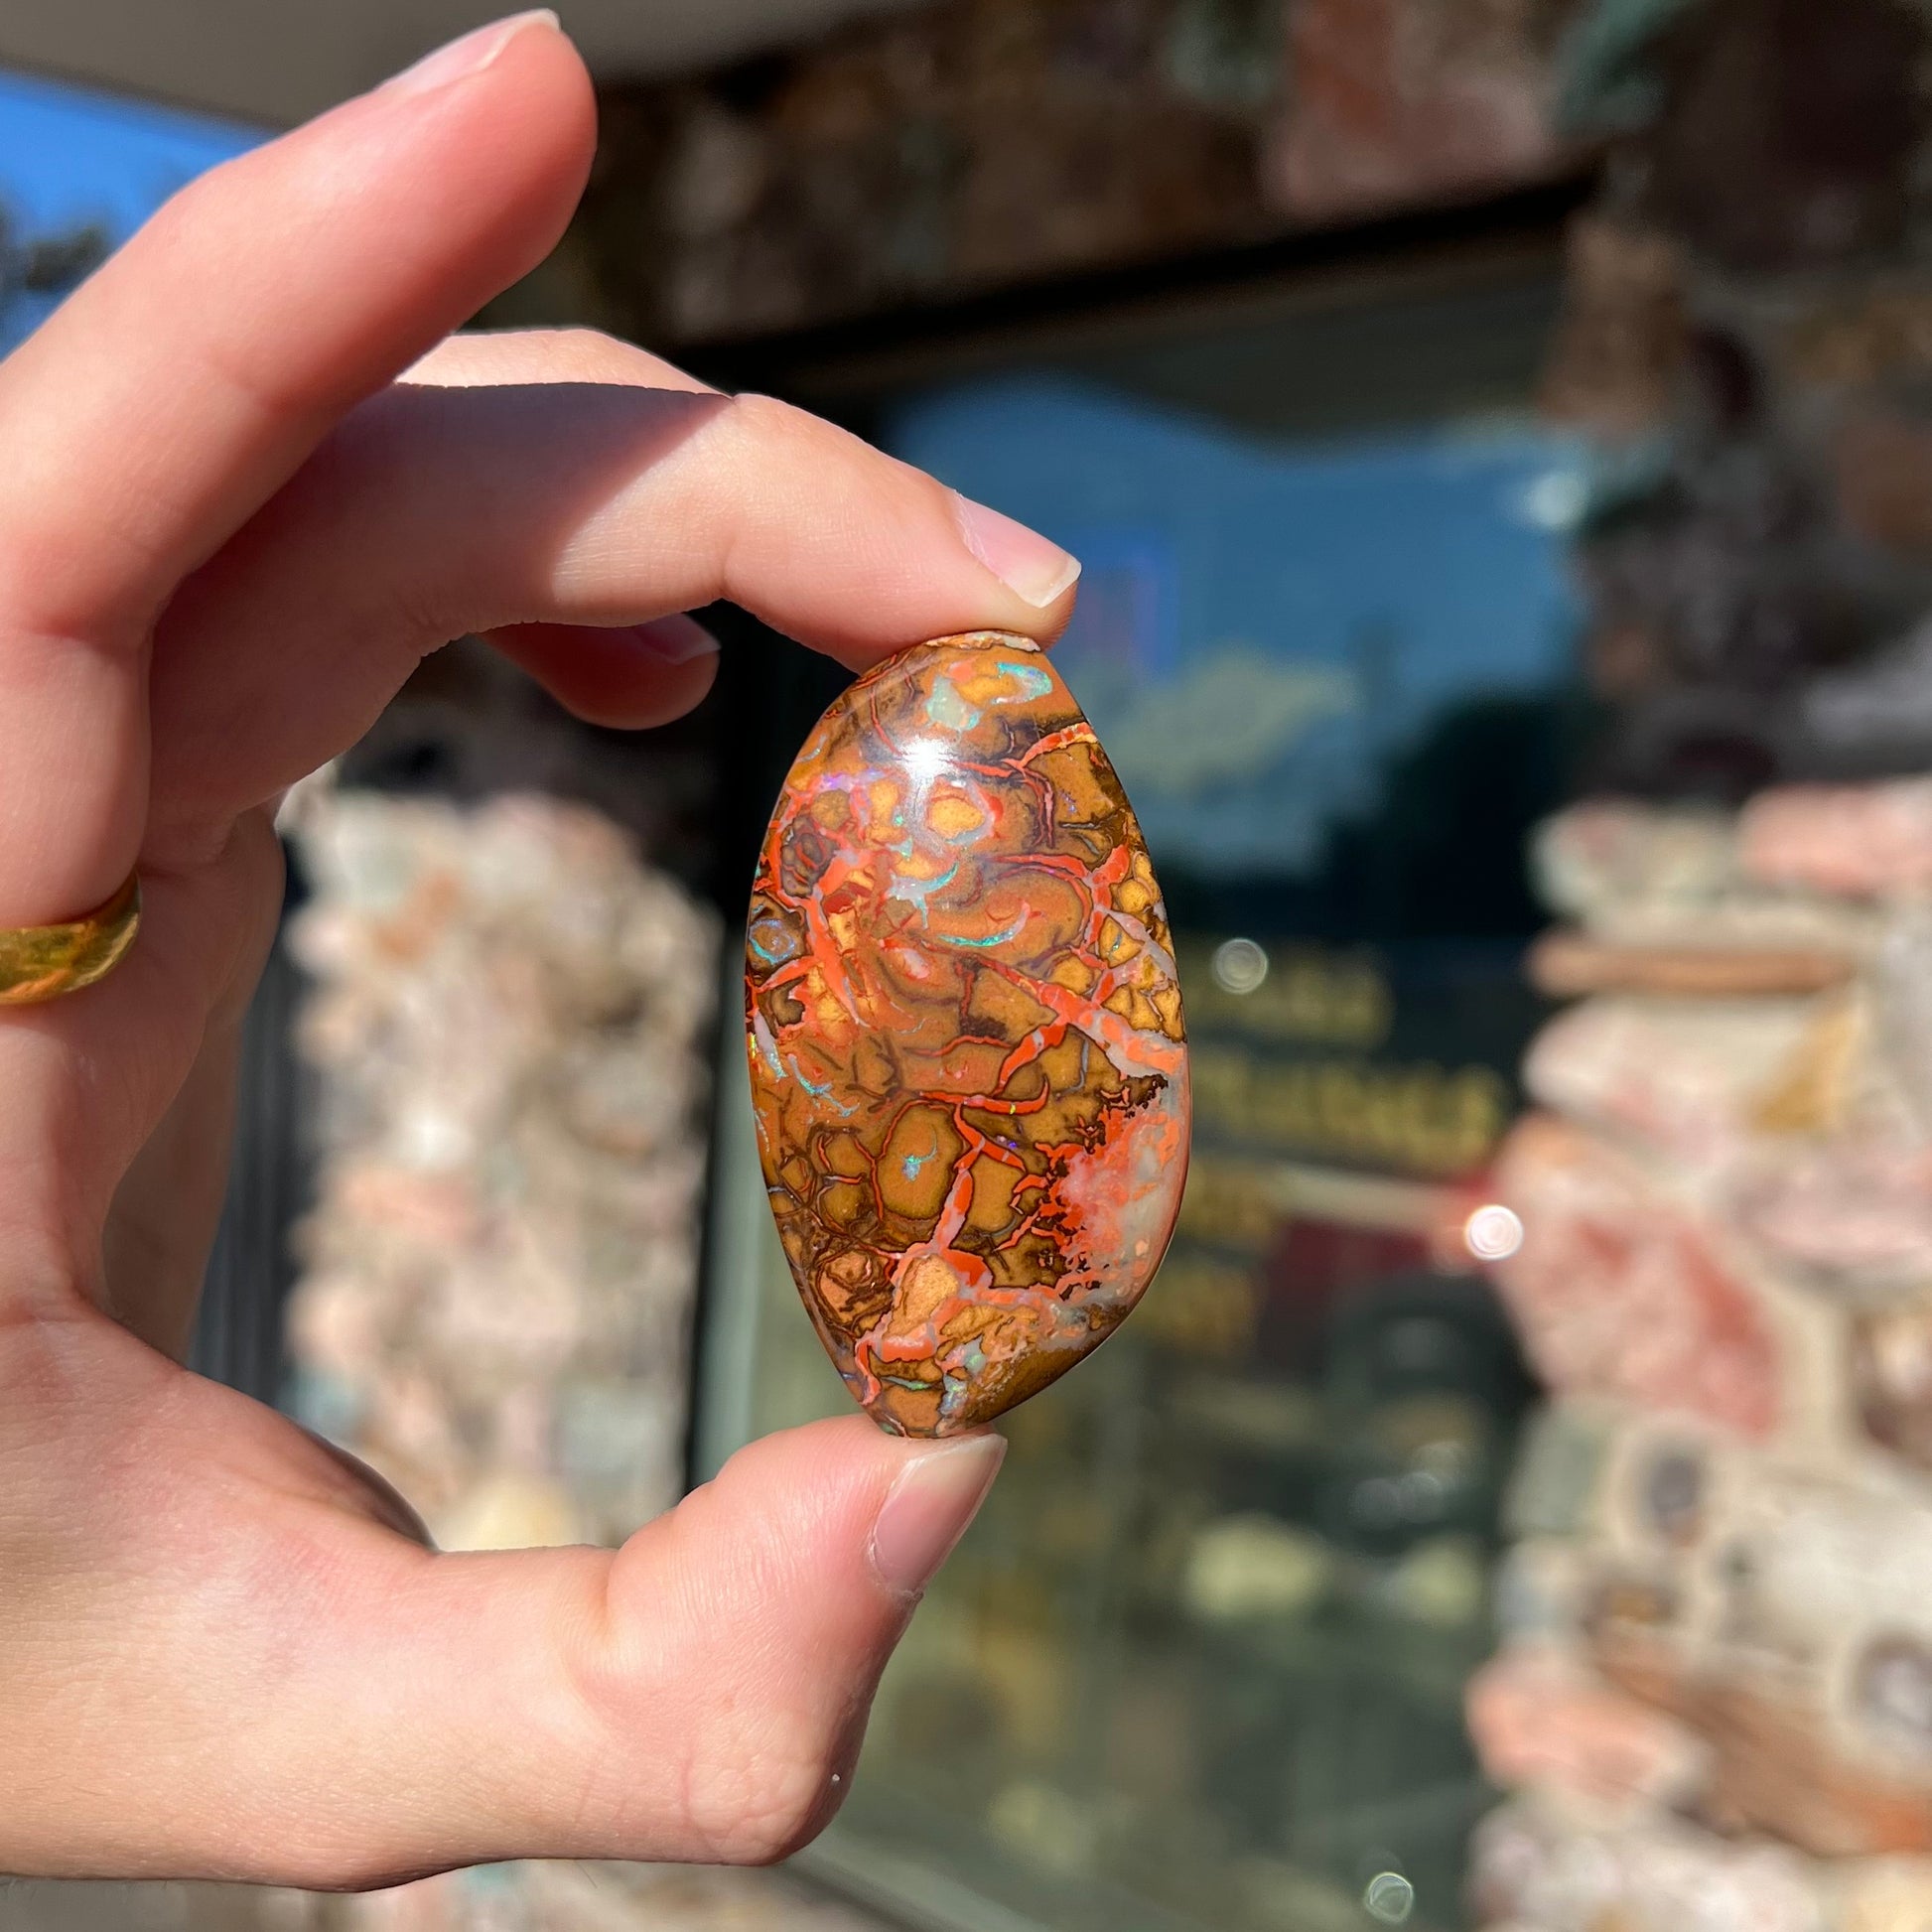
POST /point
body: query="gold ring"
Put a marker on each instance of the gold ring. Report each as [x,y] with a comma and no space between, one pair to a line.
[46,962]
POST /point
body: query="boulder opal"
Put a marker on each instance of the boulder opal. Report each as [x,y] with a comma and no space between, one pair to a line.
[967,1054]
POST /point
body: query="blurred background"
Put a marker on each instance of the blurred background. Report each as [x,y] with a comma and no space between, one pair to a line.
[1499,437]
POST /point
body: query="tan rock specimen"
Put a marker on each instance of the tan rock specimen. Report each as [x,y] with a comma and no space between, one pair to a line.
[1566,965]
[1776,1764]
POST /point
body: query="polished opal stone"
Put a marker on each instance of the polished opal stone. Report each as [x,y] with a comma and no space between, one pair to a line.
[966,1045]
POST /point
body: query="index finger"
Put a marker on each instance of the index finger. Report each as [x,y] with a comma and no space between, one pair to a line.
[172,394]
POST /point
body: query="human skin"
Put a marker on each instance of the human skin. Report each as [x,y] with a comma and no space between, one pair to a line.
[227,533]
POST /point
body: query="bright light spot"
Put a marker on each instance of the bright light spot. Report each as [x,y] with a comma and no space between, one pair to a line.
[1492,1233]
[1554,500]
[1444,1459]
[925,758]
[1388,1898]
[1239,965]
[1422,1492]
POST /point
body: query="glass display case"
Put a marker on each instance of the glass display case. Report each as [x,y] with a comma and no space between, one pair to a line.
[1201,1661]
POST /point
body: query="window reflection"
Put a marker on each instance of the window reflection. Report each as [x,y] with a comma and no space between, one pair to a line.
[1202,1661]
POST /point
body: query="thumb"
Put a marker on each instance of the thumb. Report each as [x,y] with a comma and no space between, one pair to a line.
[363,1711]
[751,1625]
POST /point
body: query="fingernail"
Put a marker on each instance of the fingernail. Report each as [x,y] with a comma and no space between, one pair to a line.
[674,639]
[1022,559]
[930,1509]
[457,59]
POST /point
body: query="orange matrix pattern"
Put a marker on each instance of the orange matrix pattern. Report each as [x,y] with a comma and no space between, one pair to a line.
[967,1054]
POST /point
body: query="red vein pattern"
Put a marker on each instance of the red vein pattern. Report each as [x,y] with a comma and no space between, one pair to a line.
[967,1054]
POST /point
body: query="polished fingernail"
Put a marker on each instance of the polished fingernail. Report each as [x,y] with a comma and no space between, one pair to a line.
[674,639]
[457,59]
[1026,562]
[930,1509]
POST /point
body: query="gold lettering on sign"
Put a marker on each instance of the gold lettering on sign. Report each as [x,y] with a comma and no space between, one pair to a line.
[1328,999]
[1229,1205]
[1203,1305]
[1422,1117]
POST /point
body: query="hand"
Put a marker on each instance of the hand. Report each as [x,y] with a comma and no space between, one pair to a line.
[230,526]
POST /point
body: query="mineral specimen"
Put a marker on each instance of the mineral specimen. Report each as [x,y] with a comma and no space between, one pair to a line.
[1538,1867]
[1891,1379]
[1856,1215]
[1669,885]
[1688,1076]
[508,1017]
[1538,1719]
[1855,840]
[1619,1291]
[965,1036]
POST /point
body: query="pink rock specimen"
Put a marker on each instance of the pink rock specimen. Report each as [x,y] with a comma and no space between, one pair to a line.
[1400,100]
[1605,857]
[1537,1870]
[1853,841]
[1855,1214]
[1619,1291]
[1682,1075]
[509,1014]
[1539,1719]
